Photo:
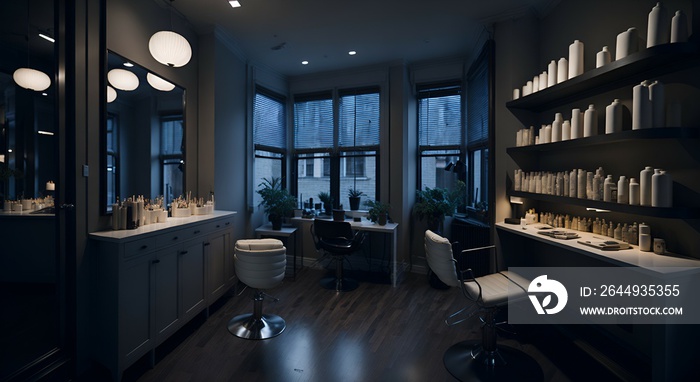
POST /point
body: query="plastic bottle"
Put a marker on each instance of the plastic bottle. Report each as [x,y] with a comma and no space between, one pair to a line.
[552,73]
[613,117]
[679,27]
[661,189]
[576,124]
[575,59]
[566,130]
[607,189]
[658,104]
[645,186]
[641,107]
[590,122]
[657,26]
[634,192]
[627,43]
[622,190]
[556,127]
[602,57]
[562,70]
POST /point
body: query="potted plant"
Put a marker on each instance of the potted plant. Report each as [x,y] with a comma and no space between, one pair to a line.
[433,204]
[354,195]
[276,201]
[377,211]
[327,201]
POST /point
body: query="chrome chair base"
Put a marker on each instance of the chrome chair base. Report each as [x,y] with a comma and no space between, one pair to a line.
[249,327]
[467,361]
[339,285]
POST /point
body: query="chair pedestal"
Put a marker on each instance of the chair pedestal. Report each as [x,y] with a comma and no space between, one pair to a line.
[339,283]
[256,326]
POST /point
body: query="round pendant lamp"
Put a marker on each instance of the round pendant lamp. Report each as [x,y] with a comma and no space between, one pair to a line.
[159,83]
[123,79]
[170,48]
[31,79]
[111,94]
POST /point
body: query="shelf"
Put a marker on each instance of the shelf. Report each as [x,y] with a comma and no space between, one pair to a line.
[660,212]
[609,139]
[645,64]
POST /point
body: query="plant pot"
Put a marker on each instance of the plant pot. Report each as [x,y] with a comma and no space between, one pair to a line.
[328,208]
[354,203]
[339,215]
[381,219]
[276,222]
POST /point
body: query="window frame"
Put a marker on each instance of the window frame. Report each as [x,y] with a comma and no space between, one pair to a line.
[263,151]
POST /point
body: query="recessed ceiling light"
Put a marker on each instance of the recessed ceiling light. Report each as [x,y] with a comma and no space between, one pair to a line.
[46,37]
[42,132]
[234,4]
[352,53]
[128,64]
[304,62]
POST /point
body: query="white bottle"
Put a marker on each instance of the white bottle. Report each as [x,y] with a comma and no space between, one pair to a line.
[581,184]
[536,83]
[548,134]
[607,189]
[556,127]
[641,107]
[527,89]
[516,93]
[562,70]
[613,117]
[657,26]
[661,189]
[634,192]
[576,124]
[658,104]
[645,186]
[602,57]
[566,130]
[552,73]
[622,190]
[575,59]
[572,184]
[596,187]
[543,80]
[679,27]
[590,122]
[627,43]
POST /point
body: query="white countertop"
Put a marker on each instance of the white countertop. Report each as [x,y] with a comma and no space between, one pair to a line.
[626,257]
[24,213]
[364,225]
[172,223]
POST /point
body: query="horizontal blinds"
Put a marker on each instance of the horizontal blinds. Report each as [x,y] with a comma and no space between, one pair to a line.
[313,122]
[171,142]
[478,103]
[359,119]
[440,115]
[269,120]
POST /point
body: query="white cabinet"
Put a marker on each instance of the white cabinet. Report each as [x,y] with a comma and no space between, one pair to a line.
[150,281]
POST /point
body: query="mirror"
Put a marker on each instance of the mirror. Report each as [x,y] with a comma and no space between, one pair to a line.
[143,146]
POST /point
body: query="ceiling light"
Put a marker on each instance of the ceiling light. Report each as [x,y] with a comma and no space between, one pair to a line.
[2,158]
[170,48]
[111,94]
[159,83]
[304,62]
[45,94]
[123,79]
[234,4]
[128,64]
[352,53]
[42,132]
[31,79]
[46,37]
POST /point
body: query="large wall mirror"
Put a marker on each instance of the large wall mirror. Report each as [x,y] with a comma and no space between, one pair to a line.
[143,135]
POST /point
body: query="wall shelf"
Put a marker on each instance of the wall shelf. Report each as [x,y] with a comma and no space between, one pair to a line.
[645,64]
[659,212]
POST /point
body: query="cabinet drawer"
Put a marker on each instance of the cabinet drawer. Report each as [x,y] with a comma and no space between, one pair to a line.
[218,225]
[138,247]
[171,238]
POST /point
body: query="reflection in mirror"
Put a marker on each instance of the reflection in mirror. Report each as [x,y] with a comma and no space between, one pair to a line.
[143,136]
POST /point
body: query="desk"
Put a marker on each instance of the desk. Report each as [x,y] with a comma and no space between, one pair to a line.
[287,235]
[389,229]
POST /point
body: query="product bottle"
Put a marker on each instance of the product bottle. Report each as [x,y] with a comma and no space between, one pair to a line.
[645,186]
[596,186]
[641,107]
[543,80]
[622,190]
[552,73]
[575,59]
[602,57]
[576,124]
[657,26]
[613,117]
[644,238]
[679,27]
[611,231]
[617,233]
[562,70]
[634,192]
[658,104]
[566,130]
[589,185]
[556,127]
[627,43]
[581,184]
[536,83]
[572,184]
[661,189]
[607,189]
[590,122]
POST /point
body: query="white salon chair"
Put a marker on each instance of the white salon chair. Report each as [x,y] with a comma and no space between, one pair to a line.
[481,360]
[260,264]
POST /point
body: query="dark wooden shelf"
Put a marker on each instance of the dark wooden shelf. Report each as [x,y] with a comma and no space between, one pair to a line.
[660,212]
[610,139]
[645,64]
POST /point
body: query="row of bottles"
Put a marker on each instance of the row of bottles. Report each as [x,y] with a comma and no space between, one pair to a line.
[654,188]
[659,31]
[24,205]
[137,211]
[188,206]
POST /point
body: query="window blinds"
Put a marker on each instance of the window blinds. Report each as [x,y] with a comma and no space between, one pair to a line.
[313,121]
[359,118]
[440,115]
[478,101]
[269,120]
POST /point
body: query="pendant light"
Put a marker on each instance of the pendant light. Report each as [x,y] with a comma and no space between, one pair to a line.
[123,79]
[170,48]
[28,78]
[111,94]
[159,83]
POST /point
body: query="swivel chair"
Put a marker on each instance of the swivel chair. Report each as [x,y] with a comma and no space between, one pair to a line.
[260,264]
[337,239]
[481,360]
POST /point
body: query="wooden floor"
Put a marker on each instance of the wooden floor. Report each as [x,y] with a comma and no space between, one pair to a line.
[374,333]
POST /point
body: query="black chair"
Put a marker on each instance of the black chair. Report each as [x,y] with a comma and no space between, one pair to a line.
[338,239]
[481,360]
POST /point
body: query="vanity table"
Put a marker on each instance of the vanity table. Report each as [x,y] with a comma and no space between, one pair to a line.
[150,281]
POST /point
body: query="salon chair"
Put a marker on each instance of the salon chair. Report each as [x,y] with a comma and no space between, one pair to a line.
[338,240]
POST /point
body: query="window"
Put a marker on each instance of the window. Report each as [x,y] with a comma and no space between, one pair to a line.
[440,135]
[112,149]
[171,157]
[269,137]
[336,152]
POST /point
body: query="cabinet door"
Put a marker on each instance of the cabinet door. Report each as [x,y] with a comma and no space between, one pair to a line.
[215,250]
[135,336]
[230,271]
[192,277]
[166,292]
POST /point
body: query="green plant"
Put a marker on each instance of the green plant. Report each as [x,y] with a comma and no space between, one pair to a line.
[459,195]
[325,197]
[355,193]
[376,208]
[433,204]
[276,201]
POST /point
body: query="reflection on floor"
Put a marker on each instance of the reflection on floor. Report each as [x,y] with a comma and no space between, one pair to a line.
[28,324]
